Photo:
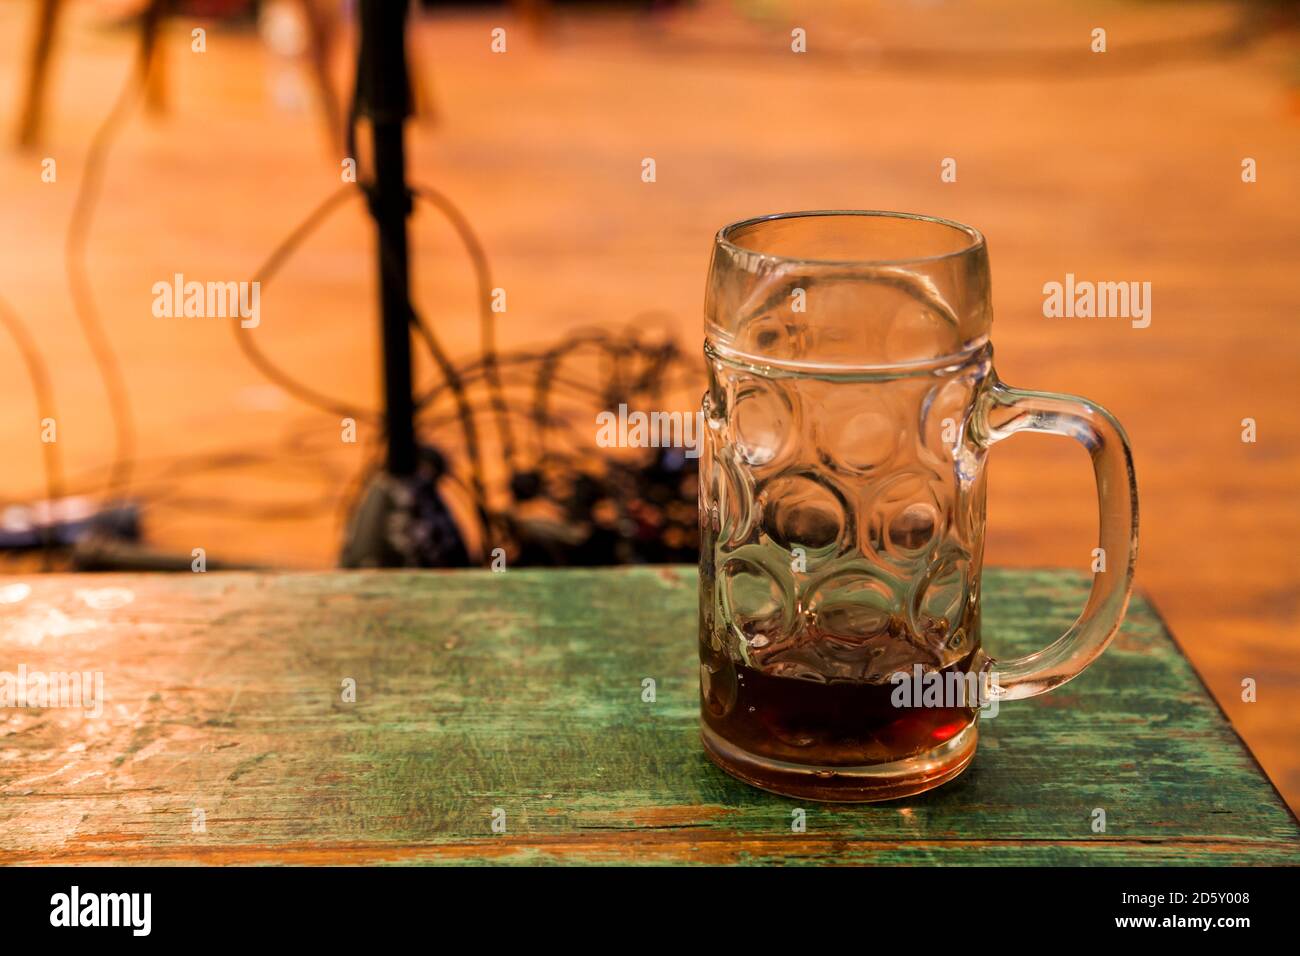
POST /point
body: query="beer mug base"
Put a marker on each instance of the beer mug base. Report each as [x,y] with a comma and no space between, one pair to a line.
[862,784]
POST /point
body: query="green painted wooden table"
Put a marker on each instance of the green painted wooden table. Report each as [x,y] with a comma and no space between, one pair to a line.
[519,698]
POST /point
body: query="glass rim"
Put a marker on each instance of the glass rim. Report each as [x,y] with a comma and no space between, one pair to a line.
[976,238]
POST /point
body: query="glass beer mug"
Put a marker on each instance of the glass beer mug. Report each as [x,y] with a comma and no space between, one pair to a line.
[851,404]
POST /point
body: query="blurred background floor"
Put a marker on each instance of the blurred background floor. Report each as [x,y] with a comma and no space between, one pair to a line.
[1122,166]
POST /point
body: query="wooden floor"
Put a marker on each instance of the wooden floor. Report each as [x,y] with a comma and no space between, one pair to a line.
[1117,166]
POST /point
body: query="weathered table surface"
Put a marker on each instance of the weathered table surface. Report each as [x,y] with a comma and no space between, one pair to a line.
[225,736]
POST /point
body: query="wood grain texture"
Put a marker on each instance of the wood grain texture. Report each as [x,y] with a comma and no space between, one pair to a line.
[523,691]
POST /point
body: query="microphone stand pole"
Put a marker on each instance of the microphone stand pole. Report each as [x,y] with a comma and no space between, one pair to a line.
[402,520]
[382,80]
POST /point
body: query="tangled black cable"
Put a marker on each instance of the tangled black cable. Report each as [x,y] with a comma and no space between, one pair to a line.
[83,300]
[51,455]
[456,380]
[450,374]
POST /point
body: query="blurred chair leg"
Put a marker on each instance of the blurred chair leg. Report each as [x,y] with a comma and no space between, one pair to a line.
[424,105]
[534,14]
[152,62]
[33,110]
[322,29]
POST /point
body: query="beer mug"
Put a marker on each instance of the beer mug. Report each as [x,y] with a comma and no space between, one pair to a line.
[851,405]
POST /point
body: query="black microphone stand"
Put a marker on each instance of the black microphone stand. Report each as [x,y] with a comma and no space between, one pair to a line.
[402,520]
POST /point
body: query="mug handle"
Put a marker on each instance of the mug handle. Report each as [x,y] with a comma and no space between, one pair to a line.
[999,413]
